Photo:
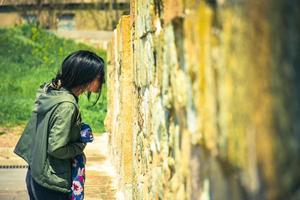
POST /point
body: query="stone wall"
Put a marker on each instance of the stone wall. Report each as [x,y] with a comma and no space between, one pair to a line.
[203,100]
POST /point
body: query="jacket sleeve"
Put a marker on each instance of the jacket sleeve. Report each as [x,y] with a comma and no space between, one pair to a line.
[59,145]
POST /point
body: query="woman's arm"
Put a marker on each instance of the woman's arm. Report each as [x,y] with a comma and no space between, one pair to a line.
[62,120]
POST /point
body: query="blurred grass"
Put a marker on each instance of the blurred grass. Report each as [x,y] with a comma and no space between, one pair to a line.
[29,57]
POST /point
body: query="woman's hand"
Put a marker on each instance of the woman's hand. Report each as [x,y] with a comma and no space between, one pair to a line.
[86,133]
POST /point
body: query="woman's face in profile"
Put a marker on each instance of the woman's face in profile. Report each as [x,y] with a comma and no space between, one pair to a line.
[95,85]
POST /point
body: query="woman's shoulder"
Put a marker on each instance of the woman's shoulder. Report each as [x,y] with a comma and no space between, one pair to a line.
[65,111]
[66,106]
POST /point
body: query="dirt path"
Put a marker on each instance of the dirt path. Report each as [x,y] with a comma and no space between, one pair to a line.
[9,136]
[100,176]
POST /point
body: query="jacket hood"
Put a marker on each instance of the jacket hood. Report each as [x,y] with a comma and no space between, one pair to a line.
[47,97]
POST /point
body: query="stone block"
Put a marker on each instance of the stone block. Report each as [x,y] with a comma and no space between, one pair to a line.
[172,9]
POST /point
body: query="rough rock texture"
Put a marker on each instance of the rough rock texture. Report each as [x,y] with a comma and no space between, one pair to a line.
[203,100]
[119,121]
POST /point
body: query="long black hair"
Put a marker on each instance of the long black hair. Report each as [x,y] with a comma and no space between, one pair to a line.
[79,69]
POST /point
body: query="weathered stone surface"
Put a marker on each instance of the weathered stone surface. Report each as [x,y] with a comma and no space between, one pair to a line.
[110,81]
[172,9]
[126,91]
[120,121]
[215,108]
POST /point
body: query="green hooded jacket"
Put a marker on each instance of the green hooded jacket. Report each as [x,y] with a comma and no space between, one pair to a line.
[51,138]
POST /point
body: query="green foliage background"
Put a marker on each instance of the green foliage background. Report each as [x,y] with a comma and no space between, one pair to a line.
[30,56]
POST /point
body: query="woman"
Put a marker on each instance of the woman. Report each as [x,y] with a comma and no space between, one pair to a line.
[51,139]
